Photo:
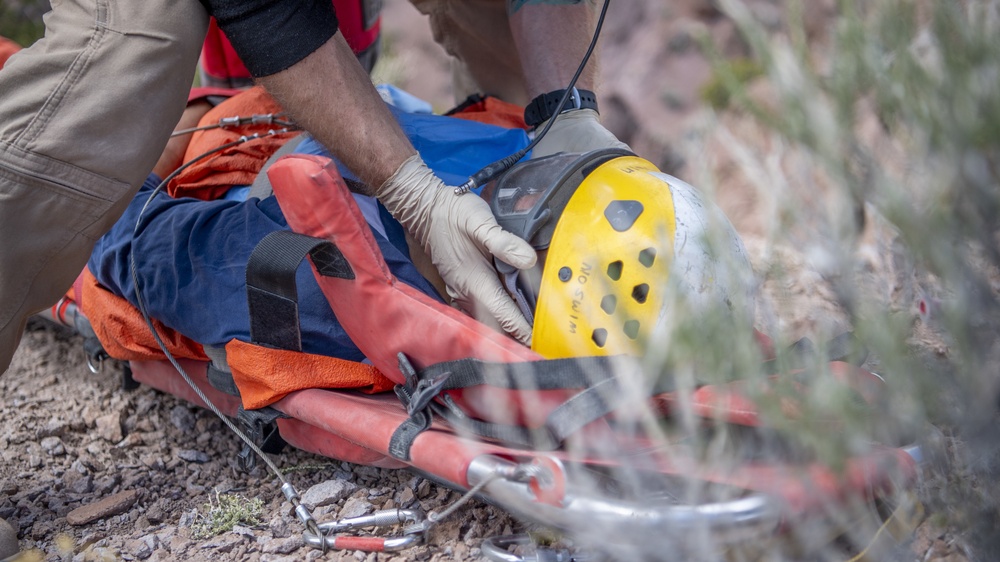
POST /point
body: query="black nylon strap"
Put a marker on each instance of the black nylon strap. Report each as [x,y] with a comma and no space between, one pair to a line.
[272,296]
[583,408]
[599,377]
[544,106]
[551,374]
[407,432]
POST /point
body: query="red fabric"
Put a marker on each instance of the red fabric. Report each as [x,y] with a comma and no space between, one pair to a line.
[219,58]
[7,49]
[211,177]
[385,317]
[737,402]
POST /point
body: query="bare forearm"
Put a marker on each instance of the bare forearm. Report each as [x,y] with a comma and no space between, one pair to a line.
[552,37]
[330,95]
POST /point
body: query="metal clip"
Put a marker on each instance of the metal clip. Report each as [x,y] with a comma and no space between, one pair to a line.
[412,533]
[498,550]
[93,367]
[425,391]
[577,103]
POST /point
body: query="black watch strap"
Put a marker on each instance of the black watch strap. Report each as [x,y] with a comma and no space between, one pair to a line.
[544,106]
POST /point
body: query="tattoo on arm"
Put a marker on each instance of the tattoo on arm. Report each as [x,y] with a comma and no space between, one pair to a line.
[515,5]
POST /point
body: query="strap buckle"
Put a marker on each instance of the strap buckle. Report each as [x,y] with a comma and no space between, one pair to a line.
[575,99]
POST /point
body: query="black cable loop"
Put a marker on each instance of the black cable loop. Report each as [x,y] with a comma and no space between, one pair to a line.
[141,303]
[493,170]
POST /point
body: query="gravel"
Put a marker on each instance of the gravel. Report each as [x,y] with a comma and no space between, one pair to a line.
[112,473]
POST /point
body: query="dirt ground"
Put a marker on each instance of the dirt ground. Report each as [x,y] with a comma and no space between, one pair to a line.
[71,437]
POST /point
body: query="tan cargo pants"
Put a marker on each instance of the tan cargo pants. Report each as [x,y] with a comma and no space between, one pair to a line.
[84,114]
[477,34]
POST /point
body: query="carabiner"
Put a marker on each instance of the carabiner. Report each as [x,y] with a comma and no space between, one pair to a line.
[412,534]
[95,368]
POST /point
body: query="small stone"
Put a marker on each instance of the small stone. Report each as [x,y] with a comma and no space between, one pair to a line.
[109,427]
[178,544]
[356,507]
[327,493]
[182,418]
[193,489]
[188,518]
[279,527]
[90,414]
[156,512]
[282,546]
[82,485]
[143,547]
[8,488]
[131,440]
[8,540]
[53,427]
[106,484]
[406,496]
[244,531]
[191,455]
[224,543]
[111,505]
[165,535]
[278,558]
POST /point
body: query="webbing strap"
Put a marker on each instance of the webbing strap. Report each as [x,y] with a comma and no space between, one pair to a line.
[581,409]
[261,186]
[599,377]
[551,374]
[271,292]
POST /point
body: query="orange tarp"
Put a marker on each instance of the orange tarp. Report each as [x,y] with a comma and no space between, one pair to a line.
[210,178]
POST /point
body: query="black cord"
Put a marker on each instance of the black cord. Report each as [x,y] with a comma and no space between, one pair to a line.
[141,303]
[493,170]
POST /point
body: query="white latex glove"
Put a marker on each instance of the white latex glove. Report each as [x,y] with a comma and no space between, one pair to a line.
[461,235]
[578,130]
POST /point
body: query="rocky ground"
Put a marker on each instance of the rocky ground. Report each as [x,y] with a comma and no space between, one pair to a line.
[94,472]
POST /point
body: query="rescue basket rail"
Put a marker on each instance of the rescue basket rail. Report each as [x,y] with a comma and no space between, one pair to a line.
[726,521]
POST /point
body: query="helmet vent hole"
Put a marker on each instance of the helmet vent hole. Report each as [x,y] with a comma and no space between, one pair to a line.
[615,270]
[600,337]
[623,214]
[640,293]
[632,329]
[609,303]
[647,256]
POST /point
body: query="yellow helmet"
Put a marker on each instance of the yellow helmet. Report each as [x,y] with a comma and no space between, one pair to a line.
[619,236]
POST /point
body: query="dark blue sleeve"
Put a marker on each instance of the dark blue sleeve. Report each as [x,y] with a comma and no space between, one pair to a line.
[191,260]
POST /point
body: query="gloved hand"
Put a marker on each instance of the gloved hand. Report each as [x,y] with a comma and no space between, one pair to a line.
[578,130]
[461,236]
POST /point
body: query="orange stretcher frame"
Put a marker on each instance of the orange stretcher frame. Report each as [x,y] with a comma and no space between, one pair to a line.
[543,486]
